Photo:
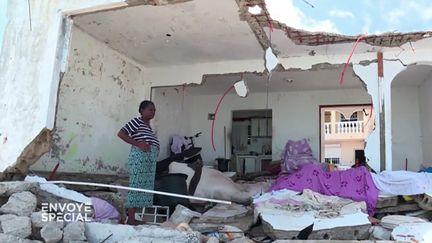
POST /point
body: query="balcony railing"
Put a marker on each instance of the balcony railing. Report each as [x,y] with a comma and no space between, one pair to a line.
[344,128]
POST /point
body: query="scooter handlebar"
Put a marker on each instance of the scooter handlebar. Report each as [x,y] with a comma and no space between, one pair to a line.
[194,136]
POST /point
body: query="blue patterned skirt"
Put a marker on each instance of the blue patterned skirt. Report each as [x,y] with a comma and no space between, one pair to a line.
[142,168]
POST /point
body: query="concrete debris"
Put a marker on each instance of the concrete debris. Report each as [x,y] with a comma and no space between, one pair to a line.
[51,232]
[19,226]
[13,239]
[226,211]
[213,239]
[74,231]
[392,221]
[242,240]
[387,201]
[284,215]
[8,188]
[36,220]
[58,191]
[183,214]
[97,232]
[20,203]
[418,232]
[379,233]
[212,224]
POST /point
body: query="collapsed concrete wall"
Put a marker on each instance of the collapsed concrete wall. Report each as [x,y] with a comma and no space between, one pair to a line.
[32,59]
[30,67]
[99,93]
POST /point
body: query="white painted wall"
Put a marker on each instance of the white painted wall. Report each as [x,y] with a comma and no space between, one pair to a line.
[406,132]
[99,93]
[425,101]
[172,116]
[295,116]
[3,19]
[380,91]
[30,65]
[348,151]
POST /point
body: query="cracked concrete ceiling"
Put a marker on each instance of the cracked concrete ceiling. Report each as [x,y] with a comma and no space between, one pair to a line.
[320,77]
[175,34]
[205,31]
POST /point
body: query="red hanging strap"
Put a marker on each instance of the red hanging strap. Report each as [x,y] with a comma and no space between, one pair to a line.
[215,113]
[349,58]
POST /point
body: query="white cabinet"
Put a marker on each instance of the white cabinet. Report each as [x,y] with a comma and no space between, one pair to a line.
[255,127]
[269,127]
[261,127]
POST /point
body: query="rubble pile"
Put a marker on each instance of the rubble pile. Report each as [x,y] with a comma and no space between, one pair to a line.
[23,219]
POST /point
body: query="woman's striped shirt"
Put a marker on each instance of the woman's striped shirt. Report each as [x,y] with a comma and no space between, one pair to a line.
[139,131]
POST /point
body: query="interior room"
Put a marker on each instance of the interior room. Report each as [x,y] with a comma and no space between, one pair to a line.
[113,66]
[411,117]
[251,139]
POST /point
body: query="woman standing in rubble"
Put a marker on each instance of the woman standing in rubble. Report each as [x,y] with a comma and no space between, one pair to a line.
[142,158]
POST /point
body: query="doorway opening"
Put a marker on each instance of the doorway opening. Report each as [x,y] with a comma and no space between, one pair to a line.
[251,139]
[343,132]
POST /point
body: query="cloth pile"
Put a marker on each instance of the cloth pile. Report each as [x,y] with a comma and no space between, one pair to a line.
[355,184]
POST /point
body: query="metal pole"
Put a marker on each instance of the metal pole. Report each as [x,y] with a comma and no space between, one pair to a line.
[137,189]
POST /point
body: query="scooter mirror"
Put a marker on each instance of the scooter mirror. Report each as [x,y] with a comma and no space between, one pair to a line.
[241,88]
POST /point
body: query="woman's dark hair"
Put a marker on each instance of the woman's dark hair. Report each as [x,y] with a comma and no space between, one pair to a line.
[144,105]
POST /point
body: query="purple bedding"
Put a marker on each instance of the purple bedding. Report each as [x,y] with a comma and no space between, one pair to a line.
[355,184]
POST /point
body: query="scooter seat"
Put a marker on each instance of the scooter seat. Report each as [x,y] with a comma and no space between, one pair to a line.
[191,152]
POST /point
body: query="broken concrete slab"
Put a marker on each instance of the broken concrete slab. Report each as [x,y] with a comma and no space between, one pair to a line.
[183,214]
[97,232]
[223,211]
[74,231]
[210,225]
[360,232]
[330,241]
[417,232]
[58,190]
[20,203]
[19,226]
[399,208]
[10,187]
[392,221]
[10,238]
[384,202]
[379,233]
[241,240]
[51,232]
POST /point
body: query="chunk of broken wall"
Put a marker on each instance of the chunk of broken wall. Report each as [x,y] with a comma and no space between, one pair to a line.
[30,69]
[28,66]
[99,93]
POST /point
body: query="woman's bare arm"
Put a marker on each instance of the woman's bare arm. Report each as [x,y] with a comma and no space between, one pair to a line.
[125,137]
